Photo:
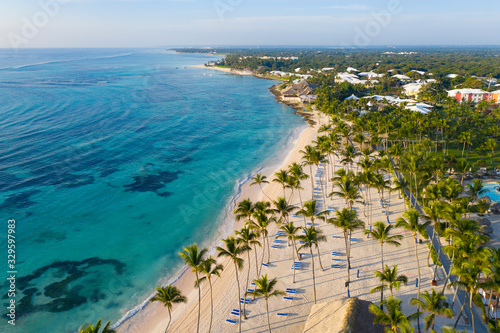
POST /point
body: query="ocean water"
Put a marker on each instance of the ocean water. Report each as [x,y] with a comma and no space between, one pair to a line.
[110,162]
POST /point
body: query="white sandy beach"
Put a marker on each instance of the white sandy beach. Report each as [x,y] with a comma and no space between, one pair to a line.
[221,69]
[329,283]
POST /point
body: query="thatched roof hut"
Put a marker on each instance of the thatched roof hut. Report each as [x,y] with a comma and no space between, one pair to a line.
[495,208]
[342,315]
[484,221]
[485,230]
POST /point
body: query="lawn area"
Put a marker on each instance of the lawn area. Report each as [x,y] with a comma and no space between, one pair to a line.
[474,157]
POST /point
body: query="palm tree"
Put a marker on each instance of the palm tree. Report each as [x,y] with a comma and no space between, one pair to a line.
[259,179]
[436,304]
[193,257]
[168,296]
[244,210]
[283,209]
[234,250]
[391,277]
[312,237]
[282,178]
[413,225]
[381,232]
[209,267]
[247,237]
[298,173]
[261,223]
[290,231]
[95,329]
[348,191]
[309,211]
[348,221]
[265,288]
[394,317]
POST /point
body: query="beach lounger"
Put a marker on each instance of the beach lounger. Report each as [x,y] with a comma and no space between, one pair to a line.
[388,220]
[231,321]
[310,223]
[338,254]
[246,301]
[278,241]
[265,265]
[288,298]
[338,237]
[336,266]
[302,242]
[235,313]
[275,246]
[335,259]
[354,239]
[291,290]
[282,314]
[302,254]
[250,290]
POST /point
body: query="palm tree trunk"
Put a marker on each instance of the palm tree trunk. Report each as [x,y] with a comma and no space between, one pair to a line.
[268,250]
[314,278]
[199,303]
[432,246]
[268,321]
[169,319]
[263,252]
[246,286]
[239,295]
[348,262]
[211,305]
[449,273]
[312,181]
[319,258]
[419,283]
[293,261]
[459,315]
[382,260]
[472,313]
[256,260]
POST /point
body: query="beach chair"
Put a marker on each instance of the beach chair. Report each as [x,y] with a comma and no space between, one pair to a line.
[297,266]
[302,242]
[338,254]
[275,246]
[278,241]
[282,314]
[335,259]
[336,266]
[246,301]
[230,321]
[354,239]
[286,298]
[235,312]
[250,290]
[265,265]
[291,290]
[338,237]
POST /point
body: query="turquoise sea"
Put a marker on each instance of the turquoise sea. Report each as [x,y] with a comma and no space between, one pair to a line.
[110,162]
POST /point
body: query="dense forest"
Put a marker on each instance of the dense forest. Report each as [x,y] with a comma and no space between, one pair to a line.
[439,61]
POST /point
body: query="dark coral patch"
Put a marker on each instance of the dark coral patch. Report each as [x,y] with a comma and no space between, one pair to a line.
[19,201]
[153,182]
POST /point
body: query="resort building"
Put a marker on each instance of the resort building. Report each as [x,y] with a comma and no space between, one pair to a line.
[469,95]
[495,96]
[299,92]
[412,89]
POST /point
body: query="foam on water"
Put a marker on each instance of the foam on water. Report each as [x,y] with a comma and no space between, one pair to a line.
[145,157]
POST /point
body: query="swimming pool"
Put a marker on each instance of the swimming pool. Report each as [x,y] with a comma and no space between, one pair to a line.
[493,193]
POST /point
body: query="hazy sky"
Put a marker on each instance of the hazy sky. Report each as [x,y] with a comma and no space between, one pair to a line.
[152,23]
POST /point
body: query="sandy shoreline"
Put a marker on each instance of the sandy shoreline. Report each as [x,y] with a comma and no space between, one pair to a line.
[329,283]
[225,70]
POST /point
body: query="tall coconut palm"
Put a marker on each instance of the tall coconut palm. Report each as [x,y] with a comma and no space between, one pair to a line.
[261,222]
[265,288]
[310,238]
[95,329]
[283,209]
[244,210]
[394,317]
[260,179]
[389,278]
[299,175]
[347,190]
[412,224]
[282,178]
[209,268]
[248,237]
[347,220]
[193,257]
[234,250]
[381,232]
[309,211]
[436,304]
[290,233]
[168,296]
